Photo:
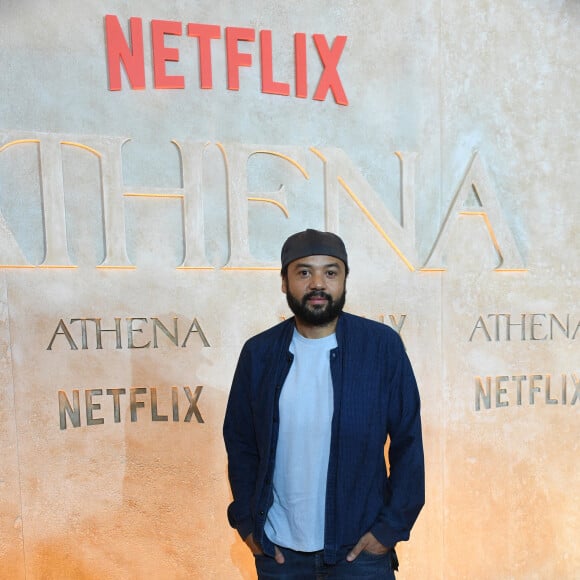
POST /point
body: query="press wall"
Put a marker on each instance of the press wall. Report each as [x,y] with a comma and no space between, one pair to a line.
[153,158]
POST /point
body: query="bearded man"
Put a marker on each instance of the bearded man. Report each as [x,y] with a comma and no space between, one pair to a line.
[313,402]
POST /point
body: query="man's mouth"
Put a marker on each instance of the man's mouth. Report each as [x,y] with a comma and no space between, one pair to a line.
[317,298]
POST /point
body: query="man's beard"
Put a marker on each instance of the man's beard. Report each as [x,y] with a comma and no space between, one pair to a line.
[316,315]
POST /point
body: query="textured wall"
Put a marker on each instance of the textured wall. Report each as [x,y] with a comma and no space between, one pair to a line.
[137,254]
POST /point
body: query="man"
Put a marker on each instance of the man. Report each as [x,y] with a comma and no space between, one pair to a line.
[312,403]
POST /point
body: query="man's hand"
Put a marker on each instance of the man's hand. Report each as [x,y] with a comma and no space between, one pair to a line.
[367,543]
[253,545]
[257,550]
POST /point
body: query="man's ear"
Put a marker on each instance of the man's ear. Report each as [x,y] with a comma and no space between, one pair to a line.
[284,284]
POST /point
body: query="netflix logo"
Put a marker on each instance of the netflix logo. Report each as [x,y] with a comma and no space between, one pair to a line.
[127,52]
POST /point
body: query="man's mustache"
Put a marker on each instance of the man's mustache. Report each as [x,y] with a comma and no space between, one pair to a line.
[316,294]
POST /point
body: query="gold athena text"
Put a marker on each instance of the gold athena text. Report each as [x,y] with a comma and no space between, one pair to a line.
[125,333]
[538,326]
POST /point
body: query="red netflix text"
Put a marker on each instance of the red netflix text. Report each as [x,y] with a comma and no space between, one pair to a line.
[128,52]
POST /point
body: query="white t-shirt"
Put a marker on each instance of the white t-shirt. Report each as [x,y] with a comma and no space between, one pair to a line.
[296,518]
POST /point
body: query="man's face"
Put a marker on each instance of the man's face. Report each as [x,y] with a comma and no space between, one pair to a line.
[315,289]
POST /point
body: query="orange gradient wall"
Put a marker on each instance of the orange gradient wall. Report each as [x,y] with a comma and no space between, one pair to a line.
[153,159]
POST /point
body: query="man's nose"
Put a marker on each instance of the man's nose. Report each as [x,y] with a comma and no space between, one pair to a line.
[317,281]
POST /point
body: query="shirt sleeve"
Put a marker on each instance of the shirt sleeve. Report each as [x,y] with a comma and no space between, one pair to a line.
[241,447]
[406,458]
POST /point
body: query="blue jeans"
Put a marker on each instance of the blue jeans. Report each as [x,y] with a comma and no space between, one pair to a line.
[310,566]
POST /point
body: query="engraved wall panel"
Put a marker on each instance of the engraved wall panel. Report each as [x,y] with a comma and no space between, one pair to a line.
[139,244]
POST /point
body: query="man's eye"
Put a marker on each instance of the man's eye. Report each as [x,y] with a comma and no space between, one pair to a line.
[331,273]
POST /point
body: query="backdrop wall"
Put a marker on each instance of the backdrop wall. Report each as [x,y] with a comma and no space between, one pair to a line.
[153,159]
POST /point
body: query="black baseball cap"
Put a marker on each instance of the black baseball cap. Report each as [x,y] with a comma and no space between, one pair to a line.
[313,243]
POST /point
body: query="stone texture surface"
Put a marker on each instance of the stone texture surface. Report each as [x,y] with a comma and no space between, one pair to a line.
[137,494]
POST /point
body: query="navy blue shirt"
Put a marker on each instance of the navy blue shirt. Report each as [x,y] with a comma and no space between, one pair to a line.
[375,399]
